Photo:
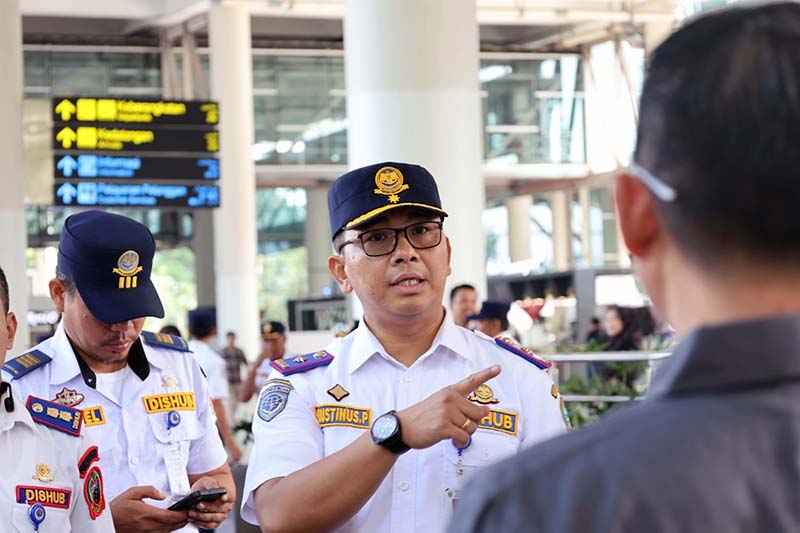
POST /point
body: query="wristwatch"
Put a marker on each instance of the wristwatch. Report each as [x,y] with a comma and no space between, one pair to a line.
[386,432]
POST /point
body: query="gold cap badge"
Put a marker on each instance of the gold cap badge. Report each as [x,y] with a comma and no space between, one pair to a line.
[127,268]
[389,181]
[484,395]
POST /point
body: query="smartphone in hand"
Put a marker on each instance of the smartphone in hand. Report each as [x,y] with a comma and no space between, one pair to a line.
[191,500]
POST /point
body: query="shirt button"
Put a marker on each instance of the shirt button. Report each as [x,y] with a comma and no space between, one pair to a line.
[487,455]
[134,460]
[403,486]
[408,378]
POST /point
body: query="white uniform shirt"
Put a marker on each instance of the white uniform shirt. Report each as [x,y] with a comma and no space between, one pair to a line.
[213,366]
[43,463]
[132,433]
[412,497]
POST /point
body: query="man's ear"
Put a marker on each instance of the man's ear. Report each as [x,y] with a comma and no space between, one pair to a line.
[449,255]
[58,294]
[638,220]
[336,267]
[11,330]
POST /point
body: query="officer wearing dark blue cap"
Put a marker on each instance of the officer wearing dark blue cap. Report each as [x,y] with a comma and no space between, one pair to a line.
[273,346]
[492,319]
[381,428]
[144,399]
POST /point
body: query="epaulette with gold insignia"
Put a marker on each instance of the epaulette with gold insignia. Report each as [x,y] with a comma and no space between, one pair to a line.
[163,340]
[27,362]
[55,416]
[525,353]
[300,363]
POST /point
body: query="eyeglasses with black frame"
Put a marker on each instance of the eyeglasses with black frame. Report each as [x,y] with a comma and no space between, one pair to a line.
[383,241]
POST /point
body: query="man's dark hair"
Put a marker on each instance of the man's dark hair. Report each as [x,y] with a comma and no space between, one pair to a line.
[463,286]
[201,329]
[720,122]
[4,298]
[170,329]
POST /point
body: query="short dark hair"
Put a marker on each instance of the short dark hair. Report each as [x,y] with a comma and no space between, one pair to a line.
[68,284]
[4,297]
[463,286]
[720,122]
[169,329]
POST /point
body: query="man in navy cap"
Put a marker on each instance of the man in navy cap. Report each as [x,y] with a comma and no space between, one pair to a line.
[379,430]
[273,337]
[144,399]
[492,319]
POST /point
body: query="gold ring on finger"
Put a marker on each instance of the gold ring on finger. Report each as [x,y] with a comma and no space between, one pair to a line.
[466,424]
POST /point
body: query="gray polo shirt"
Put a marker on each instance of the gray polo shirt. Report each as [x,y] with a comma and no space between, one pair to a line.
[715,447]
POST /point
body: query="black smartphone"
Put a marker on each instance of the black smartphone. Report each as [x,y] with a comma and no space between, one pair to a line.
[190,500]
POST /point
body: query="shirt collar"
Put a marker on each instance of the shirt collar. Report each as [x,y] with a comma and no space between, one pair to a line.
[737,355]
[65,367]
[365,345]
[18,414]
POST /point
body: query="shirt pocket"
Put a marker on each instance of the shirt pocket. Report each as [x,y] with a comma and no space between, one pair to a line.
[180,435]
[487,447]
[55,520]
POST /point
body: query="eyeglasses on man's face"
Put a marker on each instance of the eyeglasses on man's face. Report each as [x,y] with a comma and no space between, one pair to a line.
[383,241]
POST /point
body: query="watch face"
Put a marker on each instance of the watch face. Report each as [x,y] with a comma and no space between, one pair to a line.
[384,427]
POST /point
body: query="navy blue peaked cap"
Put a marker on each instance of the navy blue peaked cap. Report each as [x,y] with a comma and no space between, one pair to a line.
[109,258]
[492,309]
[362,194]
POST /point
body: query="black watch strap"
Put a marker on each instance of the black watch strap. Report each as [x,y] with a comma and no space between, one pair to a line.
[394,442]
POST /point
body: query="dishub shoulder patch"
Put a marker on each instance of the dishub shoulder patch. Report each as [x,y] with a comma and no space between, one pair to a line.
[27,362]
[163,340]
[525,353]
[300,363]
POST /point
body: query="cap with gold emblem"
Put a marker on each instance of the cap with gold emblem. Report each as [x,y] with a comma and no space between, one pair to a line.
[109,258]
[362,194]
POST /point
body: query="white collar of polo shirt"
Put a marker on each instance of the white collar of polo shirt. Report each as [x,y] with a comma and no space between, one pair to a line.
[366,345]
[64,365]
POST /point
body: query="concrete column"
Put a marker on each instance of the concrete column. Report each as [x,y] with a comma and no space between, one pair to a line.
[586,226]
[202,219]
[411,69]
[519,226]
[318,240]
[14,237]
[235,221]
[562,230]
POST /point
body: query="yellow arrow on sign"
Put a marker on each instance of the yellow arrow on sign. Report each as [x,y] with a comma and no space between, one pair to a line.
[66,108]
[66,137]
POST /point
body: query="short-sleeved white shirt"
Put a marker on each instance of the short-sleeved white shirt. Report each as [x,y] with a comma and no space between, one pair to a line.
[132,434]
[39,460]
[412,497]
[214,367]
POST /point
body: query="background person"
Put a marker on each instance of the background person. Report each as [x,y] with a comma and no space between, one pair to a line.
[203,330]
[492,319]
[463,302]
[234,360]
[273,347]
[709,212]
[144,398]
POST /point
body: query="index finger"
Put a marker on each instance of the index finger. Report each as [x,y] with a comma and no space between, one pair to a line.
[471,382]
[165,516]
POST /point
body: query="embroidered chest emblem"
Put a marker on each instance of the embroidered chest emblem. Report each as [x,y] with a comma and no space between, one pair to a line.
[69,397]
[483,395]
[43,473]
[338,392]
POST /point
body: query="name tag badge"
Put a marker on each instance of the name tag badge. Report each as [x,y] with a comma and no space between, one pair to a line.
[176,472]
[451,500]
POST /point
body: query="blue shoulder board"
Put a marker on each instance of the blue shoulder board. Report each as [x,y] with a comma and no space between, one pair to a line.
[300,363]
[163,340]
[56,416]
[27,362]
[525,353]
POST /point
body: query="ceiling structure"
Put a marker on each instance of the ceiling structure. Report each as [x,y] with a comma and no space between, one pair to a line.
[505,25]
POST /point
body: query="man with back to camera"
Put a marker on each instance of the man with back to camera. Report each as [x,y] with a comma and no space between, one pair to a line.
[709,211]
[377,432]
[52,481]
[144,399]
[463,302]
